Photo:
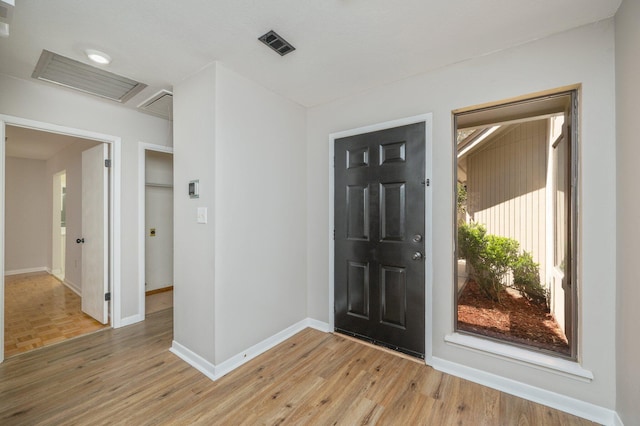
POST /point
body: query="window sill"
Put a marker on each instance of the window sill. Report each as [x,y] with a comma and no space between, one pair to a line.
[522,356]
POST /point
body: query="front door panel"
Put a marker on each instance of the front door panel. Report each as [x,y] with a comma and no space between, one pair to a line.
[379,261]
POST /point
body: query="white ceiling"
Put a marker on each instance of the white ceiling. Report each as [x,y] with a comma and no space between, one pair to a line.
[343,46]
[38,145]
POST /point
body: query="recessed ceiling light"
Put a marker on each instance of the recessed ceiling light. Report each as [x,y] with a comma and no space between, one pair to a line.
[98,57]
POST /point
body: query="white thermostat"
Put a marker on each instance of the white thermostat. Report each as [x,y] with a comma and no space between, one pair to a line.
[194,191]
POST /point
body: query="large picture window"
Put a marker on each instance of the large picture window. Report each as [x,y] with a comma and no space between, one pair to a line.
[516,177]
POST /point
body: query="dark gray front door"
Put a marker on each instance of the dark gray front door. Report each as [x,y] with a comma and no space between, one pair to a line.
[379,237]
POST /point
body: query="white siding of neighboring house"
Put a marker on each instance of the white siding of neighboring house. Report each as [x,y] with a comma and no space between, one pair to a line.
[506,186]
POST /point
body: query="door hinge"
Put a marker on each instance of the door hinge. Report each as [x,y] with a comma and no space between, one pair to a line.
[107,163]
[426,182]
[107,297]
[334,235]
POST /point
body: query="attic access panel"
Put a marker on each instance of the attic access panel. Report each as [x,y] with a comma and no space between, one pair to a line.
[73,74]
[160,105]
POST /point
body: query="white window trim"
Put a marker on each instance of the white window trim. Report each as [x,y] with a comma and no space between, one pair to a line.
[521,356]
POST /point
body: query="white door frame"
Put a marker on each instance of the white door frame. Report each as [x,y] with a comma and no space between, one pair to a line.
[142,164]
[114,206]
[427,119]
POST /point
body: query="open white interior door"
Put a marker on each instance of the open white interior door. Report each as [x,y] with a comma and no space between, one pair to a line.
[94,240]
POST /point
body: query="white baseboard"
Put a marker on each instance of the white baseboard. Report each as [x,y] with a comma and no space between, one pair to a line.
[259,348]
[26,270]
[73,287]
[129,320]
[214,372]
[617,421]
[194,360]
[551,399]
[318,325]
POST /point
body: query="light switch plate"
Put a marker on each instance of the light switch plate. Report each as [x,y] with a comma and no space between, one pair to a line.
[202,215]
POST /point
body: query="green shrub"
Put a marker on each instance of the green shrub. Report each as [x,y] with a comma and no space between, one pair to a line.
[492,258]
[462,200]
[526,278]
[471,241]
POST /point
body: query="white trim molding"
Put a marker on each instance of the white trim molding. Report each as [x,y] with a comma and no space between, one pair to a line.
[131,320]
[2,170]
[73,287]
[521,356]
[617,421]
[551,399]
[194,360]
[27,270]
[318,325]
[214,372]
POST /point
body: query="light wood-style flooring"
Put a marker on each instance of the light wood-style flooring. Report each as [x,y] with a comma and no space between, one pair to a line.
[41,311]
[158,301]
[127,376]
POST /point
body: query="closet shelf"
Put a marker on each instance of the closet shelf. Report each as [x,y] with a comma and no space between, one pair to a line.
[159,185]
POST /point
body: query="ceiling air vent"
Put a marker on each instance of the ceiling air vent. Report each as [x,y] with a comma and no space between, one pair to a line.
[160,105]
[277,43]
[76,75]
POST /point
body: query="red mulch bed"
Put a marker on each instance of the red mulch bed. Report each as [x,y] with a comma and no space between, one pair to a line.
[514,319]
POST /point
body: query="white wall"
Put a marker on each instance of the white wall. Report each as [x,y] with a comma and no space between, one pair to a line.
[584,55]
[69,159]
[27,198]
[159,216]
[194,122]
[240,278]
[628,209]
[51,104]
[260,214]
[158,167]
[29,209]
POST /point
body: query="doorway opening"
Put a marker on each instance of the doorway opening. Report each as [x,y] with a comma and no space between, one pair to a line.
[156,227]
[45,240]
[158,231]
[58,225]
[517,168]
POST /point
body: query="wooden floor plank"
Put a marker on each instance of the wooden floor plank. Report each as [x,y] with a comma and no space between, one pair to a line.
[41,311]
[128,377]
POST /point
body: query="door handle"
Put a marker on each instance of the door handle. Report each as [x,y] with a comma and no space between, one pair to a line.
[79,240]
[417,256]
